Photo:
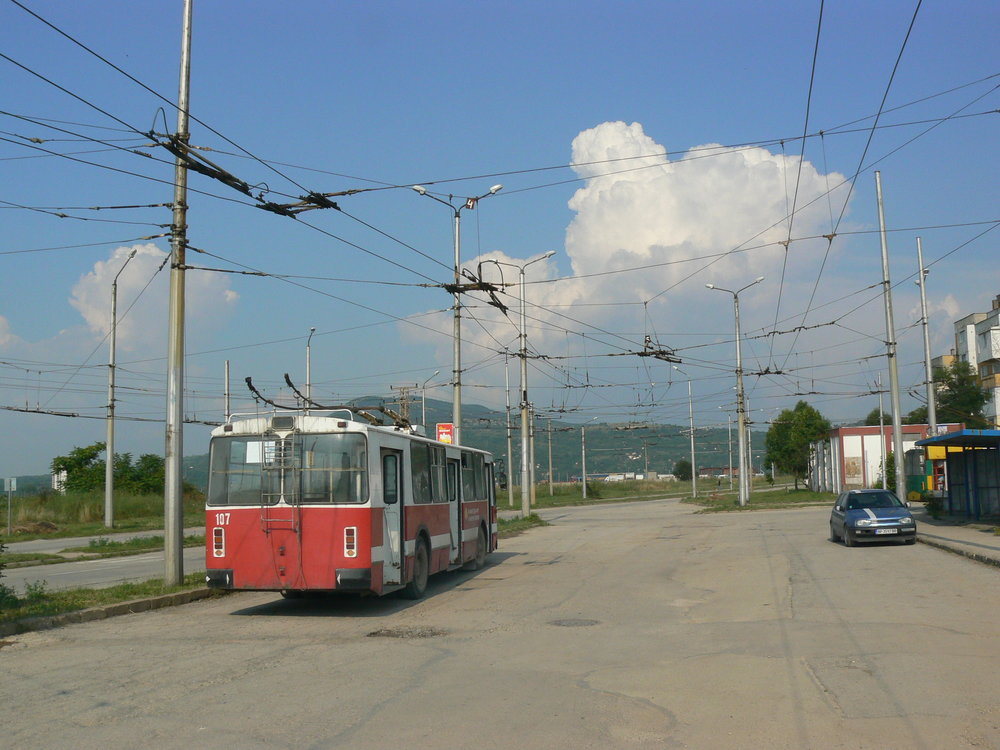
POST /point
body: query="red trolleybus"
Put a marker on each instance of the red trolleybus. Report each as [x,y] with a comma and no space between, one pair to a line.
[320,502]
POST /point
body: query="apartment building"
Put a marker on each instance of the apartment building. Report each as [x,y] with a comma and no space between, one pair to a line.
[977,341]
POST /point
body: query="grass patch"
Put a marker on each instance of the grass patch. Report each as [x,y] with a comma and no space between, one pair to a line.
[516,526]
[37,602]
[53,516]
[97,549]
[718,502]
[103,546]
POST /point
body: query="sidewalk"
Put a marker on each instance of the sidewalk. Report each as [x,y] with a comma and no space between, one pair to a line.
[975,540]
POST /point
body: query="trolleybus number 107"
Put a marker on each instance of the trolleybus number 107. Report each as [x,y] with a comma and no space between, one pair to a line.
[317,502]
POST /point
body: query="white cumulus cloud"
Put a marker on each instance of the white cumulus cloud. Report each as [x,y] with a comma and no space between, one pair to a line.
[142,297]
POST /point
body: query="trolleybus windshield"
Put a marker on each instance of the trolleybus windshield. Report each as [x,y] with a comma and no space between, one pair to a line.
[267,469]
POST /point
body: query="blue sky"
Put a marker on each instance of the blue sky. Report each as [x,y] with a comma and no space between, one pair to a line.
[683,121]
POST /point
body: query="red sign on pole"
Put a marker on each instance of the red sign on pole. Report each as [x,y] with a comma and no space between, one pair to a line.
[446,432]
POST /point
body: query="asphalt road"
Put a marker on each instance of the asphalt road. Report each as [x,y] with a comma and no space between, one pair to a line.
[620,626]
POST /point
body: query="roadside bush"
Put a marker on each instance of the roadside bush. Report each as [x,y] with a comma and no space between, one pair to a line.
[934,505]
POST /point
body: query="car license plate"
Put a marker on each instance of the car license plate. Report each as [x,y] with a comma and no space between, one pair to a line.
[886,531]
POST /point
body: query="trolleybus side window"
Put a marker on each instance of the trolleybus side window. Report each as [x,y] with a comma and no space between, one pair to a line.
[427,464]
[473,476]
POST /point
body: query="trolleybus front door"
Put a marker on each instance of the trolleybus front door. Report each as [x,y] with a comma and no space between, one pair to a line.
[392,514]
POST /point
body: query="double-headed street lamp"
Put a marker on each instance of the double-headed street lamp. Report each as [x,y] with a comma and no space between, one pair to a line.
[470,203]
[525,417]
[109,447]
[744,488]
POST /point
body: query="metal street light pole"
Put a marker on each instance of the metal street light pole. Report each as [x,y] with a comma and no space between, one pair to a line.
[470,203]
[928,375]
[694,470]
[309,393]
[109,446]
[423,400]
[525,419]
[744,486]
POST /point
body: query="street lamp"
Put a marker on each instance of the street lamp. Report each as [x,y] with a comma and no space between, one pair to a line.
[309,393]
[525,419]
[694,471]
[423,400]
[470,203]
[744,489]
[109,448]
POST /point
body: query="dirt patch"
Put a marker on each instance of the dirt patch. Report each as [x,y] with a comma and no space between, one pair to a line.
[407,633]
[36,527]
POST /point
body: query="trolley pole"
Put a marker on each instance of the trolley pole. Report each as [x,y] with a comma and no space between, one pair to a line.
[173,491]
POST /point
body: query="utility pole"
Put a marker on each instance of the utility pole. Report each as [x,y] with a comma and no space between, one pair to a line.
[109,445]
[309,391]
[583,459]
[551,489]
[225,395]
[173,491]
[881,430]
[928,375]
[404,398]
[470,203]
[890,345]
[510,465]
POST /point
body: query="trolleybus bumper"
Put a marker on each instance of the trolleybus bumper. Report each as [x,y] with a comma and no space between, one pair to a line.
[219,578]
[354,579]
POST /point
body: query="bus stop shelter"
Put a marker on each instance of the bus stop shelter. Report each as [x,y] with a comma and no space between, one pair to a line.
[973,471]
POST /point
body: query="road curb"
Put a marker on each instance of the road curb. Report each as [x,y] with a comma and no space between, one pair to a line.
[977,556]
[107,610]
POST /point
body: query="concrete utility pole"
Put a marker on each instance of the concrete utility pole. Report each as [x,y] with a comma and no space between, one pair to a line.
[928,375]
[551,488]
[173,490]
[470,203]
[510,465]
[109,446]
[890,345]
[741,417]
[404,398]
[583,459]
[527,456]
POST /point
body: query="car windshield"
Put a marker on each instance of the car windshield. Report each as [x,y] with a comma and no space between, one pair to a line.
[873,500]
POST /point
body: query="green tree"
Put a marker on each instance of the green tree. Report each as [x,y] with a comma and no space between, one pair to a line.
[917,416]
[790,436]
[872,420]
[682,470]
[888,482]
[83,467]
[85,471]
[960,398]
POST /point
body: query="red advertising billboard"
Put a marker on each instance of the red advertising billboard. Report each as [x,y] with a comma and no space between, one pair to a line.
[446,432]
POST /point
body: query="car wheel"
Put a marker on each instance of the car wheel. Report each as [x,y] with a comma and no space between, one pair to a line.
[421,567]
[833,534]
[848,542]
[911,541]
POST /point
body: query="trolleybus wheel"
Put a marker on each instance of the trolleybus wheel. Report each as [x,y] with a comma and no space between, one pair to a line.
[292,594]
[480,559]
[421,567]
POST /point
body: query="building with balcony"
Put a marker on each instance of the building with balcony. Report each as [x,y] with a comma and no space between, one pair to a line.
[977,341]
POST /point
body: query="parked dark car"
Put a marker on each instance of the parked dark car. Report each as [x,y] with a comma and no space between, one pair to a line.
[871,516]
